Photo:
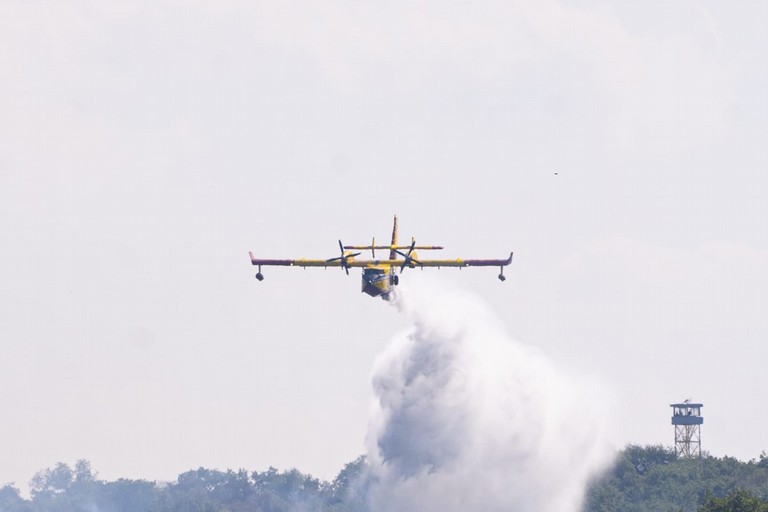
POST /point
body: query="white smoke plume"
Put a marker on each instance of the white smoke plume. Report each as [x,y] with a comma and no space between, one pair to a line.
[465,418]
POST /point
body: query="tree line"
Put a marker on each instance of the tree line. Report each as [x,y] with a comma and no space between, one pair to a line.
[650,478]
[653,478]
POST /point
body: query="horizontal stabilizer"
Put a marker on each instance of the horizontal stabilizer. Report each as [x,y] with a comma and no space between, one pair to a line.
[397,247]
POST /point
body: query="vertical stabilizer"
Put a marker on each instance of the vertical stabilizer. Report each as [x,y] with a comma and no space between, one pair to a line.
[392,253]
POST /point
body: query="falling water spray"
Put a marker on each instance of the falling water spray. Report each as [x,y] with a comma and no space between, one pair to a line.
[465,418]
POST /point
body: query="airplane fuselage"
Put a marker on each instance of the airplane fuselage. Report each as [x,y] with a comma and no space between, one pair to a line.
[378,281]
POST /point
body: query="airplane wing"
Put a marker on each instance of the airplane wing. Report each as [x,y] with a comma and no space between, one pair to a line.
[303,262]
[458,262]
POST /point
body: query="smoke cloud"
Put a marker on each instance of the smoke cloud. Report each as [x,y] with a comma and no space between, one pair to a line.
[466,418]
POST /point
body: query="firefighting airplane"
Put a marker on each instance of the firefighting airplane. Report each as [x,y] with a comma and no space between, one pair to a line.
[379,276]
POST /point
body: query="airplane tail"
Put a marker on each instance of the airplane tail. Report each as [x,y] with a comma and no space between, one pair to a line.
[392,251]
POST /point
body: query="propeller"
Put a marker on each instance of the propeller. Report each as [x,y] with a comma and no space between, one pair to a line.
[408,258]
[344,258]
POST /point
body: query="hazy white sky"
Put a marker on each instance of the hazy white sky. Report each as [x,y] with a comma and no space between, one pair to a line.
[145,147]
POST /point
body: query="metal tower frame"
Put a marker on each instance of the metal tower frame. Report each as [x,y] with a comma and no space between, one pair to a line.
[687,419]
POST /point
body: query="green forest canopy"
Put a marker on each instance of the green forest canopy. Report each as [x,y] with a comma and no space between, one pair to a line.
[650,478]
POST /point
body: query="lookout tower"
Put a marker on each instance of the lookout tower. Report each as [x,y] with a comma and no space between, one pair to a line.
[687,419]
